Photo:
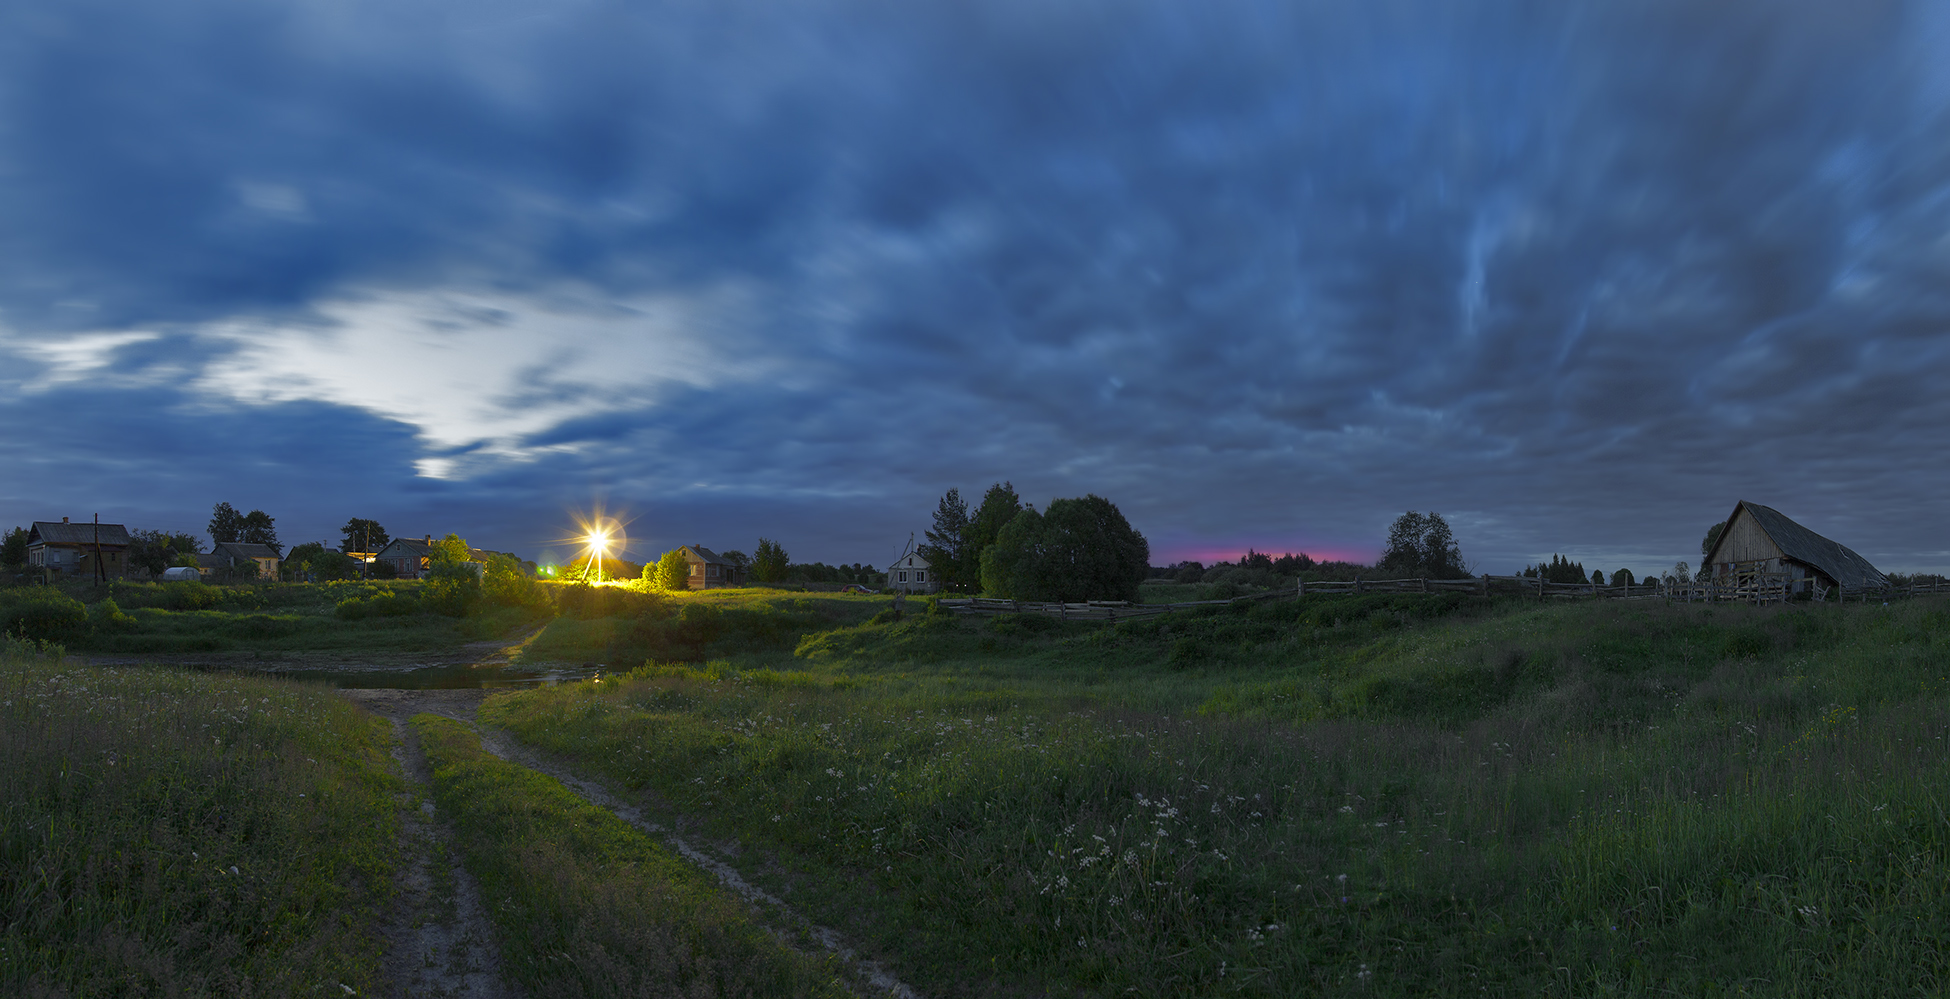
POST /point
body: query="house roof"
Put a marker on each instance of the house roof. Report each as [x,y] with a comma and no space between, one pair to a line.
[45,532]
[241,549]
[706,555]
[1802,545]
[418,547]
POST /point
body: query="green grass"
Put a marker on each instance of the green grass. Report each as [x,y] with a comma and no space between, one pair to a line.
[191,617]
[173,833]
[589,906]
[1386,795]
[620,624]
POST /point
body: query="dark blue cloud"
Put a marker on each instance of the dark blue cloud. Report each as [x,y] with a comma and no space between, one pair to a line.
[1579,276]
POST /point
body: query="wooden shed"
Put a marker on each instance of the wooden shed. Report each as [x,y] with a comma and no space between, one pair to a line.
[1760,543]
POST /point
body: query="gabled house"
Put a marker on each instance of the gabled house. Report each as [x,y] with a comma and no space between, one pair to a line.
[72,549]
[1762,540]
[910,575]
[709,570]
[412,559]
[235,554]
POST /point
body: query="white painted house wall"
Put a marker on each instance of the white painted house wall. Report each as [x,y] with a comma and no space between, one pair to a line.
[911,575]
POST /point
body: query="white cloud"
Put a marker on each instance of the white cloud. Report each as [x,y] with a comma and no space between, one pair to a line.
[75,358]
[479,371]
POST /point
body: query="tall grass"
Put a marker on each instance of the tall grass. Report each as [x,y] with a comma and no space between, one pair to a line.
[589,906]
[182,834]
[1381,797]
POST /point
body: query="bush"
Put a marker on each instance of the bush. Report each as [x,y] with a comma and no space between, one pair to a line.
[43,614]
[452,588]
[386,604]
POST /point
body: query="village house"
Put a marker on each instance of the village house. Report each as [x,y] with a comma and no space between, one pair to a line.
[910,575]
[235,554]
[709,570]
[412,559]
[71,549]
[1760,542]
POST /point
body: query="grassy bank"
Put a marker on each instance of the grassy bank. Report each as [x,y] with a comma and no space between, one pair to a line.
[588,905]
[182,834]
[174,618]
[625,625]
[1369,795]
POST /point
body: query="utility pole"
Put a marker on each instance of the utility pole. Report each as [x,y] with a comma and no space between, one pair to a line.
[101,573]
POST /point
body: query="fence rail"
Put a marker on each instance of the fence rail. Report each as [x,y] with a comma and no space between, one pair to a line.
[1756,590]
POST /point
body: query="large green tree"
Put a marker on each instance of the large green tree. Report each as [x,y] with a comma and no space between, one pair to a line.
[672,572]
[999,506]
[946,543]
[226,524]
[1712,538]
[362,535]
[259,529]
[1422,544]
[13,551]
[158,550]
[770,563]
[1079,549]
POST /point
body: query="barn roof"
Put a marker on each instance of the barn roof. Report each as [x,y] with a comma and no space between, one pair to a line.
[1796,542]
[44,532]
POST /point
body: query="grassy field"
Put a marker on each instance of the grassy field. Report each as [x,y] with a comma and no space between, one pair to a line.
[191,617]
[181,834]
[1343,795]
[588,905]
[1363,795]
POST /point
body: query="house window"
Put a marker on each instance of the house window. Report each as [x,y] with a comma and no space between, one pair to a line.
[921,576]
[903,577]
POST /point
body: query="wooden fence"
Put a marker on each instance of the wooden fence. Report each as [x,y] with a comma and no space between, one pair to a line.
[1744,590]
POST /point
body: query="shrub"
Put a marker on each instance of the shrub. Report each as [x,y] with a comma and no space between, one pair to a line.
[43,614]
[386,604]
[453,588]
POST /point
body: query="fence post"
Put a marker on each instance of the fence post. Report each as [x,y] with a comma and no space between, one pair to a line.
[1357,584]
[1303,589]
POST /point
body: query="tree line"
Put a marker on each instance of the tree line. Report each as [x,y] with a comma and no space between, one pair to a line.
[1077,549]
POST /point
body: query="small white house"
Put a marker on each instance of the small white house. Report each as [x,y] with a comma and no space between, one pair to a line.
[911,575]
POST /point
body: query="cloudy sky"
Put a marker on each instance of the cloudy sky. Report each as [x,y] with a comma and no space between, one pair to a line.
[1578,275]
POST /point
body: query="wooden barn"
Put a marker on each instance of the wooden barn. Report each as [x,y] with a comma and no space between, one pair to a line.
[1761,547]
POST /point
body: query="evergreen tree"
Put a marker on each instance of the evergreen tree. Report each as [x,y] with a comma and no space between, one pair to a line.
[947,541]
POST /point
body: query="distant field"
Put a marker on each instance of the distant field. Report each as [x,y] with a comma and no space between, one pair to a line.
[1396,795]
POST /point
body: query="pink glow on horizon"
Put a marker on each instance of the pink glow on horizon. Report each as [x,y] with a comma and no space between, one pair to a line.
[1210,555]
